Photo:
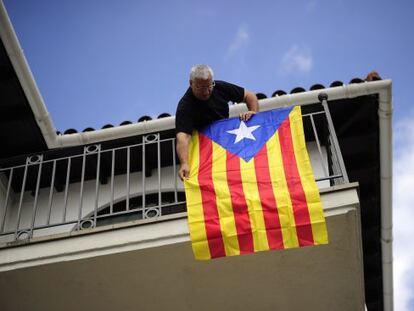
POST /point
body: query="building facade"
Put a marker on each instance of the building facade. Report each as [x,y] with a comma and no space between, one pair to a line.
[97,219]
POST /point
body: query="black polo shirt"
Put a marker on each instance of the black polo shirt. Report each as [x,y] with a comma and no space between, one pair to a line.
[193,113]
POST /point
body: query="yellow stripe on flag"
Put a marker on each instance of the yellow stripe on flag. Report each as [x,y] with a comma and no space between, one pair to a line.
[311,190]
[195,205]
[251,193]
[224,207]
[281,192]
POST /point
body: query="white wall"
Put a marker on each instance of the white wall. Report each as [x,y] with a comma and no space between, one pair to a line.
[317,165]
[88,199]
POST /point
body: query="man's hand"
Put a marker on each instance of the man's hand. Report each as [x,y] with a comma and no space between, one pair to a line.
[244,116]
[252,104]
[184,171]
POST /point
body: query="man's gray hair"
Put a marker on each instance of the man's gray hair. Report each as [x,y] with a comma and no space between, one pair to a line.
[201,72]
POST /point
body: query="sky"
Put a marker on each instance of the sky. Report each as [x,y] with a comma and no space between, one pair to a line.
[99,62]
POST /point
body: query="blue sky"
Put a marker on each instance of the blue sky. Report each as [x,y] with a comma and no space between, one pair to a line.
[130,58]
[98,62]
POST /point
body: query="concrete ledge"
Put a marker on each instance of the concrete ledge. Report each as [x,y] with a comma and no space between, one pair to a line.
[135,235]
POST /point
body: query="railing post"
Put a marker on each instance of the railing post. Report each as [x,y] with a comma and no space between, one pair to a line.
[19,212]
[323,98]
[174,171]
[143,176]
[52,183]
[66,189]
[85,152]
[98,169]
[111,202]
[159,175]
[128,169]
[39,175]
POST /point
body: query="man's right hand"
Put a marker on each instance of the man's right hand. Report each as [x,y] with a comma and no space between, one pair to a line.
[184,171]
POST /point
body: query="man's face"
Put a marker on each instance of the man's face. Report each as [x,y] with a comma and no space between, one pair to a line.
[202,88]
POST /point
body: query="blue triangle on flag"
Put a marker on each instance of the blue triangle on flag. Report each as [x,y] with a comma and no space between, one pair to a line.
[245,139]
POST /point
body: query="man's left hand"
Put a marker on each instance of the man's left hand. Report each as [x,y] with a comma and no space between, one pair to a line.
[245,116]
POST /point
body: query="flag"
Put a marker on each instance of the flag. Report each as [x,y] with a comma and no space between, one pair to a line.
[251,187]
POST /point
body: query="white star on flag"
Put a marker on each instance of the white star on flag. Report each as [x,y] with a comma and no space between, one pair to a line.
[244,132]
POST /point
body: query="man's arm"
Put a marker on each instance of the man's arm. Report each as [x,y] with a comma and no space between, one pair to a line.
[183,140]
[252,104]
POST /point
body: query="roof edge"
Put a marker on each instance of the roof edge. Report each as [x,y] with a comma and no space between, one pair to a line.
[168,123]
[25,76]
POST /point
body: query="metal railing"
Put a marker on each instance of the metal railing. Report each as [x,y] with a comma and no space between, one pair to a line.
[49,194]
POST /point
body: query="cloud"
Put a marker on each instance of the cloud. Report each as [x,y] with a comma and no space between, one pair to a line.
[239,41]
[297,59]
[403,212]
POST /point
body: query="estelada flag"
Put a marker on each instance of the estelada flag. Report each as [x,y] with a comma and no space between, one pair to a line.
[251,187]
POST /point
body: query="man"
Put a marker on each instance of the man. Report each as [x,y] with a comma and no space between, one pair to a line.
[204,102]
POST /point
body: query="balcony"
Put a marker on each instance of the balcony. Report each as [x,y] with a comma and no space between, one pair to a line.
[110,220]
[49,194]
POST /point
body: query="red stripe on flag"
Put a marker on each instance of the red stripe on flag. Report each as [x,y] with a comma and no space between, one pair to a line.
[238,201]
[297,194]
[208,196]
[268,200]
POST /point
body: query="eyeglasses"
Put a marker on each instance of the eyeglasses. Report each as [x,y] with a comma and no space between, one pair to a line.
[202,88]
